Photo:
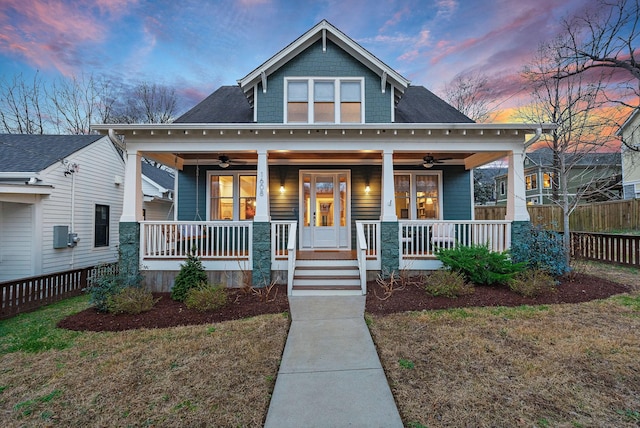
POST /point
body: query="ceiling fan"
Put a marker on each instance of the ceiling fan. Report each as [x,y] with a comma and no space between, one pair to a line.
[428,161]
[225,161]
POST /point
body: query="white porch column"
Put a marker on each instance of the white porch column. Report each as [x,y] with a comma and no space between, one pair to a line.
[262,191]
[388,192]
[516,190]
[132,203]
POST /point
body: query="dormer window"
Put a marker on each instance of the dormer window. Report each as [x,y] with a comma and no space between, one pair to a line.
[324,92]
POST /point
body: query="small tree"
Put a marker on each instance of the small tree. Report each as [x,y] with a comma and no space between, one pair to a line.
[191,275]
[471,94]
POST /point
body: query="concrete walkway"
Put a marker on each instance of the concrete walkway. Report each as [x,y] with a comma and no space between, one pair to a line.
[330,374]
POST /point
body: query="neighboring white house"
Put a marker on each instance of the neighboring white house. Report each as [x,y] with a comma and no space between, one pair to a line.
[631,155]
[60,203]
[157,191]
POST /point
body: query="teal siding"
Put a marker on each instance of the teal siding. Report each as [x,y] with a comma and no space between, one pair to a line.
[284,206]
[456,188]
[335,62]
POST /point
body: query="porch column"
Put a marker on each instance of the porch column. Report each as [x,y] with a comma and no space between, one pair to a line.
[388,192]
[132,203]
[390,246]
[262,191]
[129,227]
[261,252]
[516,189]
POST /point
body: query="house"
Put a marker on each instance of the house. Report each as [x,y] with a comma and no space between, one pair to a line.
[631,155]
[157,192]
[596,177]
[321,168]
[60,203]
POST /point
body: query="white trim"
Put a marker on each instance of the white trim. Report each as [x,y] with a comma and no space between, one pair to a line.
[255,103]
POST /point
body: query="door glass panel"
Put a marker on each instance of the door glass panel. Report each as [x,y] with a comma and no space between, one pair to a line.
[306,191]
[324,202]
[427,197]
[402,184]
[343,200]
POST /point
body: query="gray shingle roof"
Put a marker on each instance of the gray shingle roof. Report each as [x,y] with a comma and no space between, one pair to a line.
[420,105]
[544,157]
[34,153]
[160,176]
[227,104]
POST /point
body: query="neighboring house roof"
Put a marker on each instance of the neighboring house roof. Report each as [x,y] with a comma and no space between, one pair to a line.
[226,105]
[544,157]
[34,153]
[629,120]
[159,176]
[323,30]
[419,105]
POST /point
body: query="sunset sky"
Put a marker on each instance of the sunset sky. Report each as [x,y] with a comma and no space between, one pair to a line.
[196,46]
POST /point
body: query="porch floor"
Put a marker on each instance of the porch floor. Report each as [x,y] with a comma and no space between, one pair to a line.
[326,255]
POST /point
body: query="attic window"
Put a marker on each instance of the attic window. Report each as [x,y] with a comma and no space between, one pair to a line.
[325,92]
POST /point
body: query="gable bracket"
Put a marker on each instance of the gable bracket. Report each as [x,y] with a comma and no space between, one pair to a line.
[324,40]
[263,76]
[383,82]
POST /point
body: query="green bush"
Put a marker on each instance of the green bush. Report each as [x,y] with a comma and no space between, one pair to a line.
[206,297]
[130,300]
[447,283]
[533,282]
[540,248]
[191,275]
[480,265]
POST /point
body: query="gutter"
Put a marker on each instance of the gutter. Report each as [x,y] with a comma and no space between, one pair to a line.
[115,140]
[531,140]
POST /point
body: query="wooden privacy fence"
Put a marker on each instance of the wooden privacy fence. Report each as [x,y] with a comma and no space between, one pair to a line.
[607,248]
[28,294]
[596,217]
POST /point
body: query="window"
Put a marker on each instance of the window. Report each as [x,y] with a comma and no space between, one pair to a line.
[531,181]
[101,226]
[325,94]
[232,196]
[547,179]
[418,196]
[503,189]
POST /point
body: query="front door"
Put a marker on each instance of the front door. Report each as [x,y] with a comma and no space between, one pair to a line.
[324,209]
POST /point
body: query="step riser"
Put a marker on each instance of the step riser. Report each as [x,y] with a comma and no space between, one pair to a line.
[329,264]
[323,283]
[326,292]
[326,272]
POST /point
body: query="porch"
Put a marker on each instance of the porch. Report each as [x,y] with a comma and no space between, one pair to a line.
[226,251]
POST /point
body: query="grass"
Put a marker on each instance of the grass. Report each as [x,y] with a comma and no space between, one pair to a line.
[559,365]
[208,375]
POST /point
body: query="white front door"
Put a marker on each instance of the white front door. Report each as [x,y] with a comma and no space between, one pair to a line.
[324,209]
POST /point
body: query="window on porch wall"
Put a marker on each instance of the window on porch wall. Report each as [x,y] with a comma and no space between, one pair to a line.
[233,197]
[420,191]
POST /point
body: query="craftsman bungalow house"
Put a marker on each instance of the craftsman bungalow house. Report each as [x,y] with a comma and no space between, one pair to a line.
[320,166]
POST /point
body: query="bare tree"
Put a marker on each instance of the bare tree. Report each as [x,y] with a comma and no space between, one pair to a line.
[21,105]
[148,103]
[471,95]
[572,101]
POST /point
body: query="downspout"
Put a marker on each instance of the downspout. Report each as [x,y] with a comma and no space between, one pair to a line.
[115,140]
[527,143]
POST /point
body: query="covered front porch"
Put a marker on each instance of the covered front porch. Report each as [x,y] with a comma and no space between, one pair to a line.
[286,208]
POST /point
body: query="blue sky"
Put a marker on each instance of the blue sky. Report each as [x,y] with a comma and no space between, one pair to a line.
[196,46]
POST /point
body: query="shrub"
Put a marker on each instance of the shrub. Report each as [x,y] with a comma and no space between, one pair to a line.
[447,283]
[206,297]
[540,248]
[533,282]
[109,283]
[191,275]
[480,265]
[130,300]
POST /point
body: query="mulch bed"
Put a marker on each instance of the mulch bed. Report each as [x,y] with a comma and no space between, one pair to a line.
[169,313]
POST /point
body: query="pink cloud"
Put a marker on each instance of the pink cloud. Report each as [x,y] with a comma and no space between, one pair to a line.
[53,34]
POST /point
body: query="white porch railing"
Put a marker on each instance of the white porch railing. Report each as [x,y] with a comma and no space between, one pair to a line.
[280,239]
[291,252]
[361,252]
[371,232]
[419,239]
[207,240]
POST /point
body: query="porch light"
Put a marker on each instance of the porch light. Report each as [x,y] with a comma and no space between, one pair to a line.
[282,188]
[367,189]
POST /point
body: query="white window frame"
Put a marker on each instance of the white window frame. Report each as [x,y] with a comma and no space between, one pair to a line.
[310,96]
[503,188]
[533,180]
[413,206]
[236,191]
